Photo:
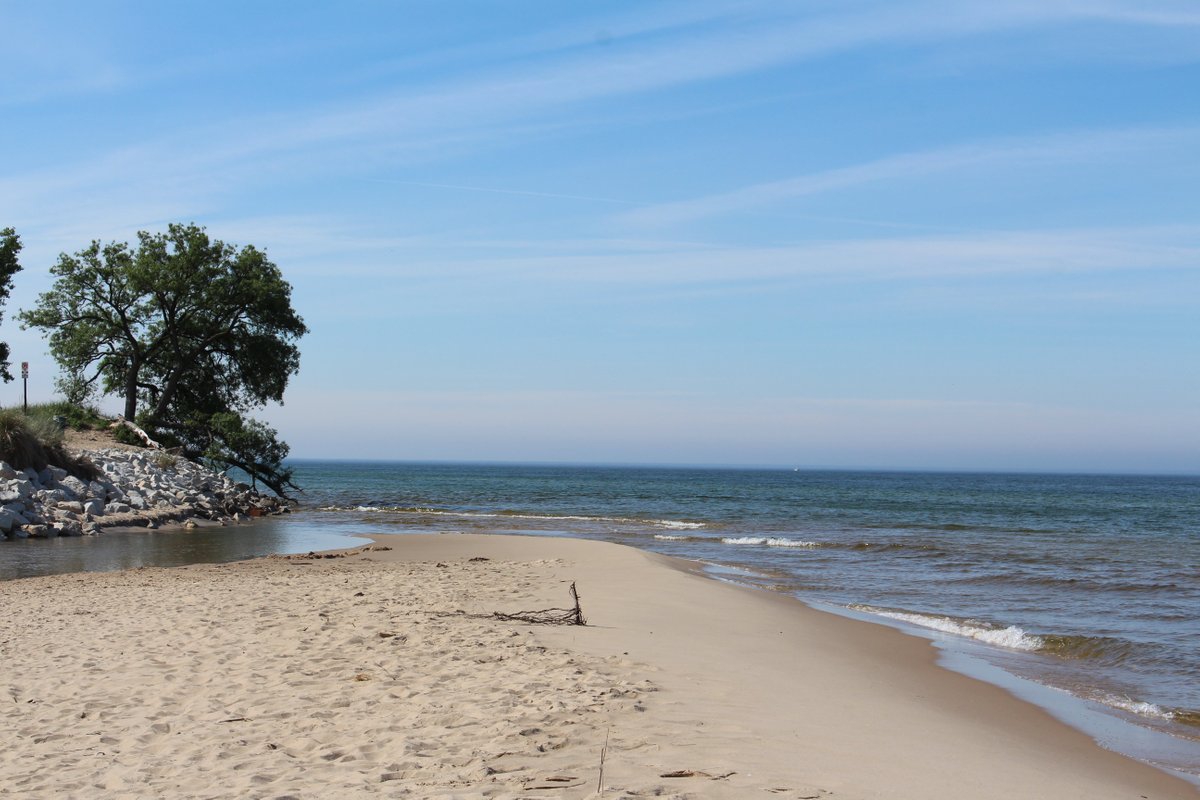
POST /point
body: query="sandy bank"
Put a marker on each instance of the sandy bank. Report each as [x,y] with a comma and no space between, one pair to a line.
[358,677]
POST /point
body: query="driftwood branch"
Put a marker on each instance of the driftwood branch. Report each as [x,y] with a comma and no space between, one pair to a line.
[549,616]
[145,437]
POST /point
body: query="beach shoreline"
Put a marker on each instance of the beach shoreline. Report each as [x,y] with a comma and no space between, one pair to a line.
[380,673]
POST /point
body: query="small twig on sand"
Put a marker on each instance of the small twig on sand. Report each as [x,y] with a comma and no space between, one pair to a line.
[603,755]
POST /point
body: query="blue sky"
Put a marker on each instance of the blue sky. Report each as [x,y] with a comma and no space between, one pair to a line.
[850,234]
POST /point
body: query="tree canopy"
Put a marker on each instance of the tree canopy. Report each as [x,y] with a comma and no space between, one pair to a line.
[10,248]
[191,332]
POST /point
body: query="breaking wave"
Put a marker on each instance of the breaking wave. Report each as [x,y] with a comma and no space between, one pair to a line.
[768,541]
[1011,637]
[1141,708]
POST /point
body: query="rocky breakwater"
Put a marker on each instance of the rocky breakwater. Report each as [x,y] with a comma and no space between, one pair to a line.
[129,488]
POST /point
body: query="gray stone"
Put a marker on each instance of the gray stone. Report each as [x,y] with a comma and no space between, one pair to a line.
[17,512]
[55,503]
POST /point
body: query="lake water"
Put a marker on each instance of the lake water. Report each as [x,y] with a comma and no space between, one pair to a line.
[112,550]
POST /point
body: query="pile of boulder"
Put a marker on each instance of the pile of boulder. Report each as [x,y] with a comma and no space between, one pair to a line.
[131,488]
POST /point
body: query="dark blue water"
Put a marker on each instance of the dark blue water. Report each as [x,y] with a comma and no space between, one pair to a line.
[1085,583]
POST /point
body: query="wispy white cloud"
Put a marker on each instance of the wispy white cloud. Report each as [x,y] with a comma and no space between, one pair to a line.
[493,190]
[887,259]
[195,167]
[1054,149]
[192,171]
[1170,13]
[490,266]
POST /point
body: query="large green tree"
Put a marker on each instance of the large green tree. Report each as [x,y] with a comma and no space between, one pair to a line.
[10,248]
[190,331]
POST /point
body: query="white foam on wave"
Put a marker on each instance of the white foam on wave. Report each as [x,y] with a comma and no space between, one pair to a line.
[670,537]
[672,524]
[768,541]
[1139,707]
[1012,637]
[387,510]
[677,524]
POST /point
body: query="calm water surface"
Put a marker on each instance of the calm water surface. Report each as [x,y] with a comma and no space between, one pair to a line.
[113,550]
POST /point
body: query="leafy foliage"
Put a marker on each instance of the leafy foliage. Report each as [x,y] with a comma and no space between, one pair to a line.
[10,248]
[185,328]
[250,446]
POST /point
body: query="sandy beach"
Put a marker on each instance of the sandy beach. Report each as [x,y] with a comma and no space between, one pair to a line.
[383,673]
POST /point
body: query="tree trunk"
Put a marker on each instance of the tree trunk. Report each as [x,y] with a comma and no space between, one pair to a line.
[131,381]
[168,394]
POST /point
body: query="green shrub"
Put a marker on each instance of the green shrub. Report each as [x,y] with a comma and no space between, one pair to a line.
[18,445]
[126,436]
[36,442]
[45,430]
[165,461]
[81,418]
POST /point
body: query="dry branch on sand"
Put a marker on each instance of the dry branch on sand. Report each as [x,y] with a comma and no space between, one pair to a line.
[549,616]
